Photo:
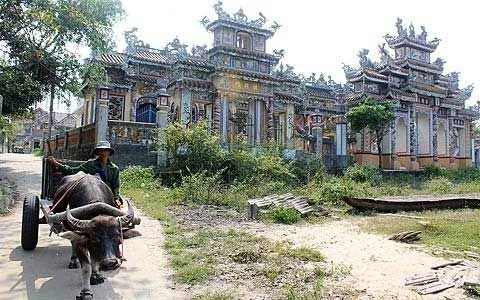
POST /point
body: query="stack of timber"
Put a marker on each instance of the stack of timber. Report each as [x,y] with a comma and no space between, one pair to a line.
[407,236]
[288,200]
[455,273]
[417,202]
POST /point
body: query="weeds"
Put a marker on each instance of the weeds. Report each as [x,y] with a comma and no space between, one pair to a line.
[214,296]
[285,215]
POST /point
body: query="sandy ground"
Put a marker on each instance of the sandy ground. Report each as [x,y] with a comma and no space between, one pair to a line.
[43,273]
[378,266]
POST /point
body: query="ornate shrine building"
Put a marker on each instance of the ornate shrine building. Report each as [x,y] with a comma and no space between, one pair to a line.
[239,88]
[432,124]
[246,94]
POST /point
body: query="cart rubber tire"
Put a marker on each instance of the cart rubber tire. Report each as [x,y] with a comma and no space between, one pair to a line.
[30,219]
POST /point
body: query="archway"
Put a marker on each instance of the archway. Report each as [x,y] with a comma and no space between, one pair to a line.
[146,110]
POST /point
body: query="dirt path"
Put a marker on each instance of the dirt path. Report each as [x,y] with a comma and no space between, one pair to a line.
[377,266]
[43,273]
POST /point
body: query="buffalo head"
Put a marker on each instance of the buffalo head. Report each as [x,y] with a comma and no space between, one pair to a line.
[101,237]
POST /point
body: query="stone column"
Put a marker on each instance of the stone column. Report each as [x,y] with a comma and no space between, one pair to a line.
[133,102]
[259,121]
[452,143]
[101,115]
[435,135]
[186,106]
[252,122]
[393,144]
[413,138]
[270,129]
[317,132]
[224,121]
[162,120]
[216,114]
[290,126]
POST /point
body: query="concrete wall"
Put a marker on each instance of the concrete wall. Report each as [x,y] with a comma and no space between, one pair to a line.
[125,154]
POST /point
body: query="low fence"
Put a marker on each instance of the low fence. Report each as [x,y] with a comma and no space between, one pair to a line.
[134,143]
[123,132]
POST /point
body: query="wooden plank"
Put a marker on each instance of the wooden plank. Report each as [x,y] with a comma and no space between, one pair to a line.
[450,263]
[421,279]
[472,278]
[434,287]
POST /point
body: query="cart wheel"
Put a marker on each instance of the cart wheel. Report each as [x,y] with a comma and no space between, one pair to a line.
[30,223]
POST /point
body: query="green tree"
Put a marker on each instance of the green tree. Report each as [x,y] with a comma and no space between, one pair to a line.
[40,38]
[19,90]
[373,115]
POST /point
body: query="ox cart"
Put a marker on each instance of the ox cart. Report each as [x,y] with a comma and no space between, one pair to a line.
[36,209]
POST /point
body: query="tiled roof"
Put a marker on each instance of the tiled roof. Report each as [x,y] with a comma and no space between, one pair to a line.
[368,73]
[244,51]
[403,93]
[413,62]
[321,92]
[427,87]
[153,55]
[198,62]
[286,97]
[111,58]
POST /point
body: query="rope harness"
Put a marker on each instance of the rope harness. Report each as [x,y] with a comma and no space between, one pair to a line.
[68,189]
[122,258]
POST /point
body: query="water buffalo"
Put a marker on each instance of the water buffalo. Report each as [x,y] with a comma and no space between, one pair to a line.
[95,228]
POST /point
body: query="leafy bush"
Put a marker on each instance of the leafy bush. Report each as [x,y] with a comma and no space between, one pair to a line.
[285,215]
[273,167]
[191,150]
[307,168]
[432,171]
[360,173]
[201,188]
[439,185]
[239,166]
[463,174]
[138,177]
[37,152]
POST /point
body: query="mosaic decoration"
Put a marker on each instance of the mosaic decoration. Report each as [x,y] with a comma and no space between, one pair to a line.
[435,134]
[115,107]
[413,134]
[186,105]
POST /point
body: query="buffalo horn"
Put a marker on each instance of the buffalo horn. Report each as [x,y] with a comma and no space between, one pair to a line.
[76,224]
[125,220]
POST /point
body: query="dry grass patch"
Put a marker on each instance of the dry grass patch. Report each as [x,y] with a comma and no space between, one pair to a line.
[453,230]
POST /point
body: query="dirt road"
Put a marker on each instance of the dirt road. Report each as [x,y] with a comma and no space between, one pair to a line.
[374,265]
[43,273]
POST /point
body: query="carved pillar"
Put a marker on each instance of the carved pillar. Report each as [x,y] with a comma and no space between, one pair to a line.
[270,129]
[216,114]
[435,135]
[452,145]
[161,120]
[224,120]
[317,132]
[393,144]
[290,126]
[101,116]
[413,137]
[133,108]
[186,106]
[259,121]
